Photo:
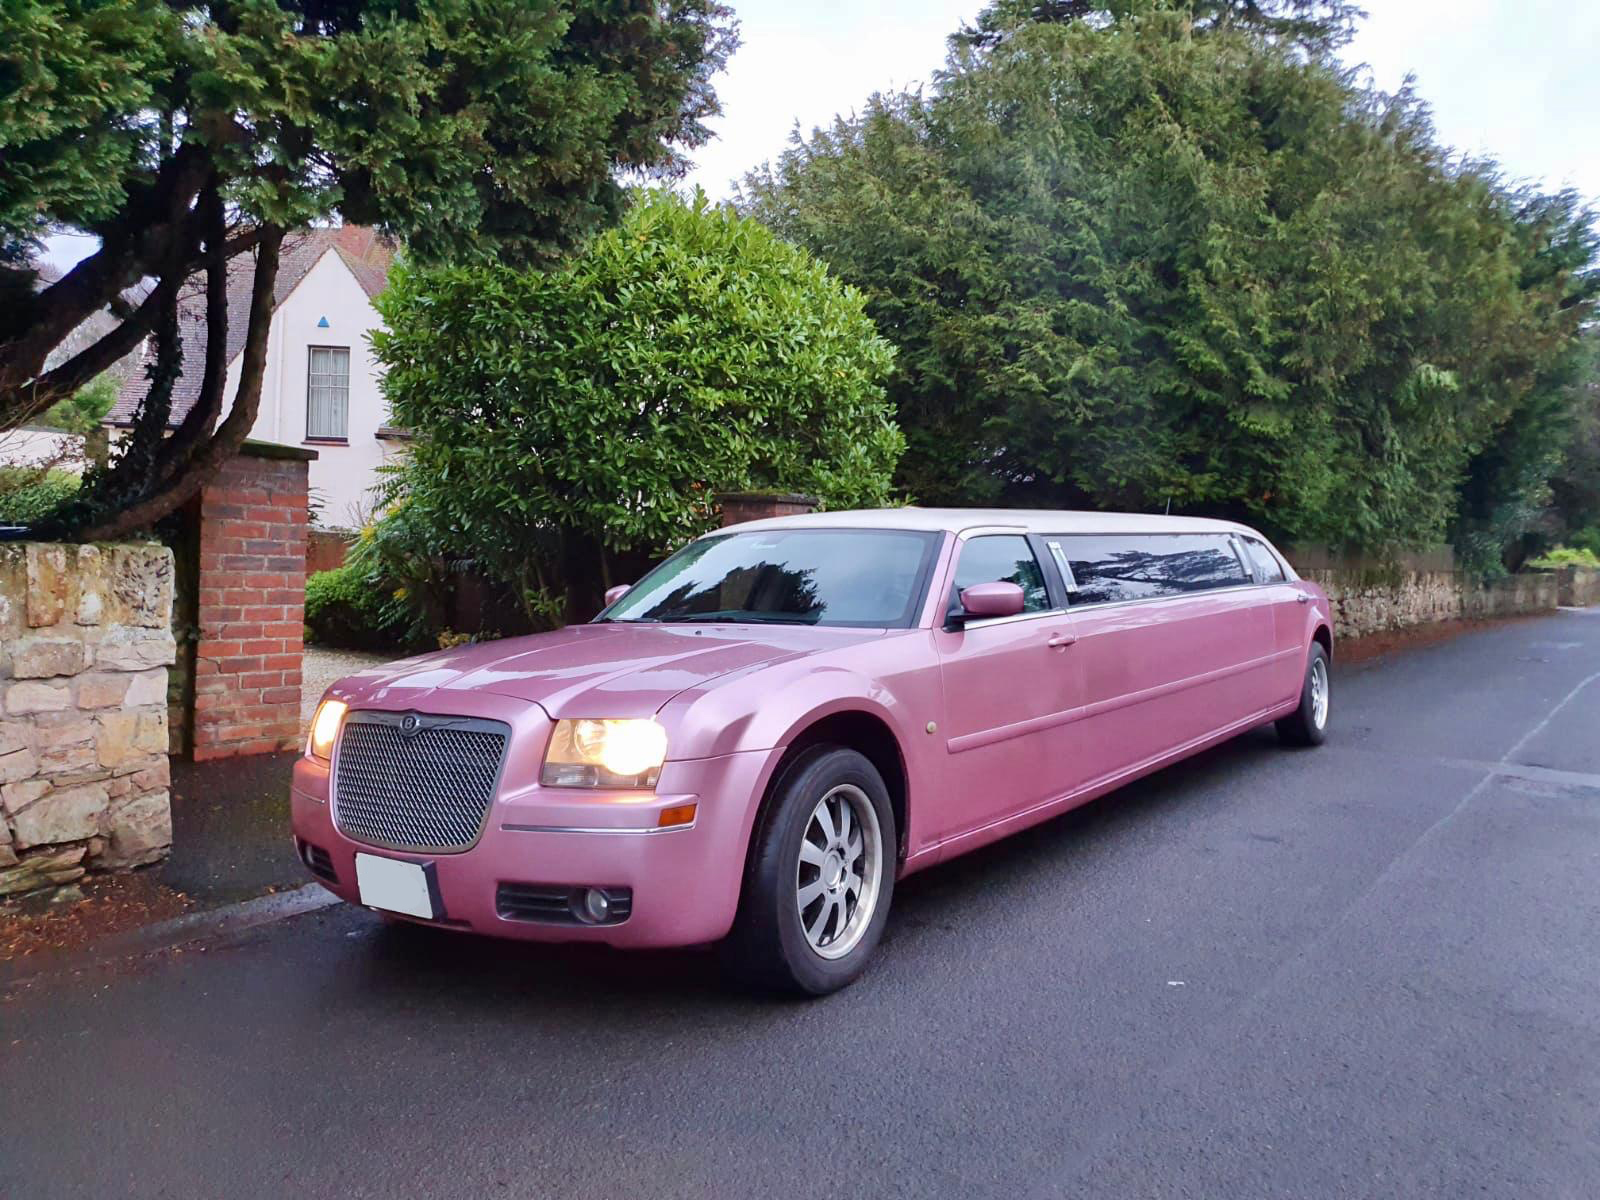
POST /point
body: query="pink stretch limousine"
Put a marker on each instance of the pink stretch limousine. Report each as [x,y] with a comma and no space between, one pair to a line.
[756,740]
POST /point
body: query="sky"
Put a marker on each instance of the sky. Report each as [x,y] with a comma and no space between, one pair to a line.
[1513,79]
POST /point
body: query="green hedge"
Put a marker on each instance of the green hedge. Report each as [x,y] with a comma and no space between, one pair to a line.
[25,495]
[343,609]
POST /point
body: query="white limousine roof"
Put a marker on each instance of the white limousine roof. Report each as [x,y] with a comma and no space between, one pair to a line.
[1033,520]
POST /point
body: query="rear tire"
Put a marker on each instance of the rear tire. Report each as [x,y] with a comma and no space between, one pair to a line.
[820,877]
[1308,724]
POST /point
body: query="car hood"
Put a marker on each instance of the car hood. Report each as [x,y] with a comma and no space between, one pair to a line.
[608,670]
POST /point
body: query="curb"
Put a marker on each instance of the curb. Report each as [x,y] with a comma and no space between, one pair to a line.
[164,935]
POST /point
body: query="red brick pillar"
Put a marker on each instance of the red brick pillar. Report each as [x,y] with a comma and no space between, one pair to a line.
[756,506]
[251,613]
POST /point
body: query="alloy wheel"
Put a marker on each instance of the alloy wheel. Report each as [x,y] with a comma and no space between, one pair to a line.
[839,871]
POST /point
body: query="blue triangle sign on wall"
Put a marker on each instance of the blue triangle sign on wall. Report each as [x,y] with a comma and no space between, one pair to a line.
[323,323]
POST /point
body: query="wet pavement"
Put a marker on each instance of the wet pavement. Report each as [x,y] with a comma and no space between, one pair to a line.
[230,829]
[1364,970]
[230,843]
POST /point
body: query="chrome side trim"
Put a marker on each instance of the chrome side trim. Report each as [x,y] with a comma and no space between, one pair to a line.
[635,830]
[987,622]
[1200,595]
[1064,567]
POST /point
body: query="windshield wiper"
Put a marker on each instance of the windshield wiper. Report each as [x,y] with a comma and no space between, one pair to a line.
[739,616]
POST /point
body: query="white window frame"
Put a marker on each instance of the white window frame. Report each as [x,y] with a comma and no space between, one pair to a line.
[331,390]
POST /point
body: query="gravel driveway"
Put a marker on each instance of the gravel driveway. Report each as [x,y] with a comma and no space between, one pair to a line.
[322,666]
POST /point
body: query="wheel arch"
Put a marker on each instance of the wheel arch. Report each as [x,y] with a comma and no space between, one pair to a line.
[1323,635]
[854,728]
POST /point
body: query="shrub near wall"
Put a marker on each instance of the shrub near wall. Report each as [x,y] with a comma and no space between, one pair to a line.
[85,642]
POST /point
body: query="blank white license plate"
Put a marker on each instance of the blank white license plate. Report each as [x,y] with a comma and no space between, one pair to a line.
[397,886]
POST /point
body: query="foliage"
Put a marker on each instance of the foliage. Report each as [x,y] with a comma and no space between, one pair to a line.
[390,592]
[1567,556]
[406,572]
[184,133]
[83,411]
[564,421]
[1139,259]
[1312,24]
[343,609]
[1575,485]
[486,127]
[1587,539]
[26,495]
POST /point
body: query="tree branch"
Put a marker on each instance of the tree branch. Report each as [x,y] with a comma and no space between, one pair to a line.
[61,381]
[144,237]
[203,465]
[201,419]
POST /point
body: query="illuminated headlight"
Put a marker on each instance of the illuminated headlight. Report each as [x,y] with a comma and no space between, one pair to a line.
[325,728]
[605,754]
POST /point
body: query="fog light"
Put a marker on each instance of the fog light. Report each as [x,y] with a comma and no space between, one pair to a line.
[596,906]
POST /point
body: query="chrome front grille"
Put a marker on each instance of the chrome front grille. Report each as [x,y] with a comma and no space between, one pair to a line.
[414,782]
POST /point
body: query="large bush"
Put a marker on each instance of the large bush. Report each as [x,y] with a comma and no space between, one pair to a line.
[566,422]
[1159,251]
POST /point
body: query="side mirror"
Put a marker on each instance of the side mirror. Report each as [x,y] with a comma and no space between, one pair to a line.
[613,594]
[996,599]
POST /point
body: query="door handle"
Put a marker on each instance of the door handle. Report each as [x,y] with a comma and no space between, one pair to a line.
[1302,598]
[1058,640]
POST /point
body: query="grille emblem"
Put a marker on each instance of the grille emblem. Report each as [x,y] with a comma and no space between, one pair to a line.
[409,724]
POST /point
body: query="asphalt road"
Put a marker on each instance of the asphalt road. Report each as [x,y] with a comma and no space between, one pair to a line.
[1371,969]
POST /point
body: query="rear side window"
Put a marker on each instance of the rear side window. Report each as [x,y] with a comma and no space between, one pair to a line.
[1000,558]
[1268,569]
[1107,568]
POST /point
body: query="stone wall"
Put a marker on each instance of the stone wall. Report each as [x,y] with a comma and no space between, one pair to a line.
[85,642]
[251,612]
[1370,596]
[1579,586]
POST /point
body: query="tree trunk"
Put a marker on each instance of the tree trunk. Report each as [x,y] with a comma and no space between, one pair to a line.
[188,477]
[201,419]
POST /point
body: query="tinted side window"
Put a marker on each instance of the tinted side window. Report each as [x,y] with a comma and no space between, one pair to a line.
[1267,567]
[1112,567]
[1001,558]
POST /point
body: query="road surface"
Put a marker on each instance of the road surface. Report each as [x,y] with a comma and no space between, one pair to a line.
[1371,969]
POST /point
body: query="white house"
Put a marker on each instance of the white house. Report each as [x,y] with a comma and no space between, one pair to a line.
[320,388]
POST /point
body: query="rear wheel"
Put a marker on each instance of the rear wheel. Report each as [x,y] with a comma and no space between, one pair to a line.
[820,879]
[1308,724]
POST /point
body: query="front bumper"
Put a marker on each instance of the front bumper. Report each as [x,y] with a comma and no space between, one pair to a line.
[685,881]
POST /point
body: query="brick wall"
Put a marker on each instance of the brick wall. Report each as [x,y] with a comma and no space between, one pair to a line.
[736,507]
[251,612]
[326,548]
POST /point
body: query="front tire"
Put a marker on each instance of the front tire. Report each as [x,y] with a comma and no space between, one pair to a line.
[820,879]
[1308,724]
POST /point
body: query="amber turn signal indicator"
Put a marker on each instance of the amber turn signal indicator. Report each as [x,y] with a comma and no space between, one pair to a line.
[678,814]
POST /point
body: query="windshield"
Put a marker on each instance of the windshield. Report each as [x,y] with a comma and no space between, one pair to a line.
[870,578]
